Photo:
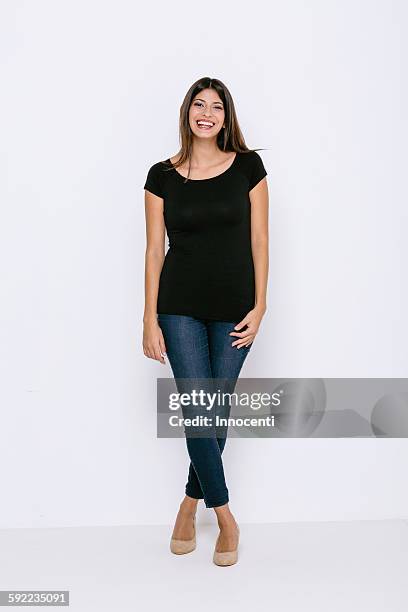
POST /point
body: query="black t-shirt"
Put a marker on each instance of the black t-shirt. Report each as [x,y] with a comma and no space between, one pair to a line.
[208,270]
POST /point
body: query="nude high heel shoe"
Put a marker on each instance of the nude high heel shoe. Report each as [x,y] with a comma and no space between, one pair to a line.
[226,558]
[181,547]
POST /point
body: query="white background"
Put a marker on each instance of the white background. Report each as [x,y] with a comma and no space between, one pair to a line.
[90,100]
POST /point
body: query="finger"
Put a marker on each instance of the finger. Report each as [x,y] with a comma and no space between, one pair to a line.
[246,334]
[152,352]
[241,334]
[162,345]
[157,354]
[241,324]
[242,342]
[244,338]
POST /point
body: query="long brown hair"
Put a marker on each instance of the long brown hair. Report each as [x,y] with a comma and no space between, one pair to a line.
[229,138]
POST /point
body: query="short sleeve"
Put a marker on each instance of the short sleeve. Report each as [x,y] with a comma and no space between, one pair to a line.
[154,180]
[258,171]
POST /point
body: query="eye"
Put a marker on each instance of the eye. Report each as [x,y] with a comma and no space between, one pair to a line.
[217,108]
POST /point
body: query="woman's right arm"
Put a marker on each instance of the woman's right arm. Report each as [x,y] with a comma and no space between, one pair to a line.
[153,341]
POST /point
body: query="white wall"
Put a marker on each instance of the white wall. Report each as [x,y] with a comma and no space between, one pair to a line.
[91,96]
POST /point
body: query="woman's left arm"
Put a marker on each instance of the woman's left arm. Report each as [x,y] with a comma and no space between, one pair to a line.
[259,198]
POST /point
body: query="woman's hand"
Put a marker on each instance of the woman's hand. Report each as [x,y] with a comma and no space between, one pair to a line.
[252,320]
[153,341]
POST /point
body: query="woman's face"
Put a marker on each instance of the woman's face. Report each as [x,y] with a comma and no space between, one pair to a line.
[206,114]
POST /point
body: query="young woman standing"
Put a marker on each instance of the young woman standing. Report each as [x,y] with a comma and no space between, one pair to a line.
[205,298]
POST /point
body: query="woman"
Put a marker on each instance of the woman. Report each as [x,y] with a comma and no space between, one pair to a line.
[205,299]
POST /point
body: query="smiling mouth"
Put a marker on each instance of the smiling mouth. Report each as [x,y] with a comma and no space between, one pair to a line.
[205,125]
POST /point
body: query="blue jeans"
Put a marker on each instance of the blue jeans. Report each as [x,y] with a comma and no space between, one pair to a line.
[201,349]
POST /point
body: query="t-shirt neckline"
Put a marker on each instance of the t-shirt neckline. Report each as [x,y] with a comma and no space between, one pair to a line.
[211,178]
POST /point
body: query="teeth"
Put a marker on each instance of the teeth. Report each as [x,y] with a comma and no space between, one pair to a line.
[205,123]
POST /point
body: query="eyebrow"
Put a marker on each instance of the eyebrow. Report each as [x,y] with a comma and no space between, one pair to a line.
[201,100]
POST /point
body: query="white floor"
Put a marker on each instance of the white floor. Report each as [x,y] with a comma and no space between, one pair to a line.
[301,567]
